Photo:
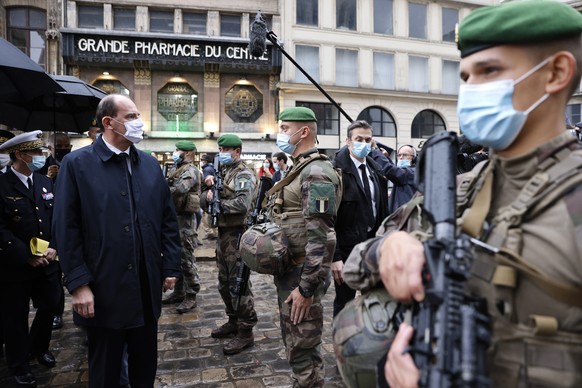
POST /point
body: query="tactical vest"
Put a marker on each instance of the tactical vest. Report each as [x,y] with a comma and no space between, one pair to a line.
[229,192]
[538,352]
[185,203]
[284,207]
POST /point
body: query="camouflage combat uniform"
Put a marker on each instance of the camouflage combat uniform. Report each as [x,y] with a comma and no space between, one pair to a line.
[184,181]
[310,203]
[236,200]
[537,338]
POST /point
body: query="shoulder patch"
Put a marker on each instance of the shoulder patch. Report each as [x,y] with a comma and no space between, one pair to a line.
[321,199]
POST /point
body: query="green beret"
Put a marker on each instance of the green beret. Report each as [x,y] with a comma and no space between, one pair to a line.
[186,145]
[229,140]
[298,113]
[517,22]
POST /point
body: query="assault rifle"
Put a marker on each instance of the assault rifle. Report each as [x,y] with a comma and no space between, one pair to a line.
[214,206]
[451,330]
[243,274]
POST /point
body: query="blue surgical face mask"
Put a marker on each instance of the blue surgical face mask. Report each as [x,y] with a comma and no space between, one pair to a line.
[266,166]
[403,163]
[225,158]
[361,149]
[283,142]
[276,166]
[37,162]
[176,157]
[486,112]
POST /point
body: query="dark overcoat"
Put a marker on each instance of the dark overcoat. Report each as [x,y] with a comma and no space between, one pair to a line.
[23,216]
[98,228]
[351,224]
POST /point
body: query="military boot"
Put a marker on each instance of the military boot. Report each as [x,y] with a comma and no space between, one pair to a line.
[225,330]
[187,304]
[175,297]
[244,339]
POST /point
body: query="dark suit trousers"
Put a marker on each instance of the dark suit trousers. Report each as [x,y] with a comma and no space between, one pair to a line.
[106,348]
[15,304]
[343,294]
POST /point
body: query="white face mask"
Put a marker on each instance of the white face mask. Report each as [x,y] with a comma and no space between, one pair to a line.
[4,160]
[133,130]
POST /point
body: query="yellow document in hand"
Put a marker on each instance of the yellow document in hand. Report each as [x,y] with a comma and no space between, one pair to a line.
[38,246]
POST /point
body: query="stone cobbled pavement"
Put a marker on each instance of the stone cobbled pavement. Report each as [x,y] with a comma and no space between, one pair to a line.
[187,355]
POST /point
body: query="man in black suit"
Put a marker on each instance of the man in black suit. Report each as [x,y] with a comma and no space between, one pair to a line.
[26,204]
[364,203]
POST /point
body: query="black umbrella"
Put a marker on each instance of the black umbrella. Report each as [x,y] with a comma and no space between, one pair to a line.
[72,110]
[20,77]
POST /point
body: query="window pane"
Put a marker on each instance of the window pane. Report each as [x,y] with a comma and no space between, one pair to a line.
[346,14]
[417,20]
[573,114]
[451,79]
[426,124]
[161,21]
[308,59]
[450,19]
[381,121]
[383,16]
[37,19]
[418,74]
[327,117]
[37,46]
[194,23]
[17,17]
[307,12]
[383,71]
[19,38]
[124,19]
[229,25]
[346,67]
[90,16]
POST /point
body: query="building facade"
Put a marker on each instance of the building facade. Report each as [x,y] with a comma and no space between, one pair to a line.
[187,66]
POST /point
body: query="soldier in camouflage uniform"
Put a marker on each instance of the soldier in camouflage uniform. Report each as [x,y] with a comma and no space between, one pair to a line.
[239,183]
[527,199]
[304,206]
[184,181]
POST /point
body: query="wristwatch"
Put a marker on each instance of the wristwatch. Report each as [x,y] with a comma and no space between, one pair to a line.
[304,293]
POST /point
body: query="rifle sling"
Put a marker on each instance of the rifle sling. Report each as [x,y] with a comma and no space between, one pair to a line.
[474,217]
[294,172]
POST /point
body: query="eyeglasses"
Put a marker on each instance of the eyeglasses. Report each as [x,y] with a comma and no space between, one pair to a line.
[405,156]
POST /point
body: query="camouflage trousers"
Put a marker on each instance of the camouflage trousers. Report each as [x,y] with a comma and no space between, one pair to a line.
[228,269]
[302,341]
[189,284]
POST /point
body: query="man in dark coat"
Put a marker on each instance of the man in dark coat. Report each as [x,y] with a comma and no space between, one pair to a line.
[26,206]
[358,218]
[119,245]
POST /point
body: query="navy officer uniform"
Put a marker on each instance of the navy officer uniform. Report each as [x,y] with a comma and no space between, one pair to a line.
[26,212]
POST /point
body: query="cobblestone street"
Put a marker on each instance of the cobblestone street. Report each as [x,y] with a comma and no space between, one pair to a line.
[187,355]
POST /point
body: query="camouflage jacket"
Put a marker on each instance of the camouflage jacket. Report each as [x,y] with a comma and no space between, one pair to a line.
[239,183]
[306,214]
[549,241]
[184,179]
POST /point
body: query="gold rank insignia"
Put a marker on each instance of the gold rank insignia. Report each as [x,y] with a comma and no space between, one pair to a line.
[14,199]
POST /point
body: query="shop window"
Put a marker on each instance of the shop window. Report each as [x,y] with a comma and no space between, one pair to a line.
[573,115]
[450,20]
[194,23]
[177,103]
[346,67]
[308,59]
[243,103]
[383,14]
[383,70]
[230,25]
[417,20]
[418,74]
[162,21]
[346,14]
[381,121]
[328,116]
[90,16]
[426,124]
[124,19]
[451,79]
[110,85]
[307,12]
[26,28]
